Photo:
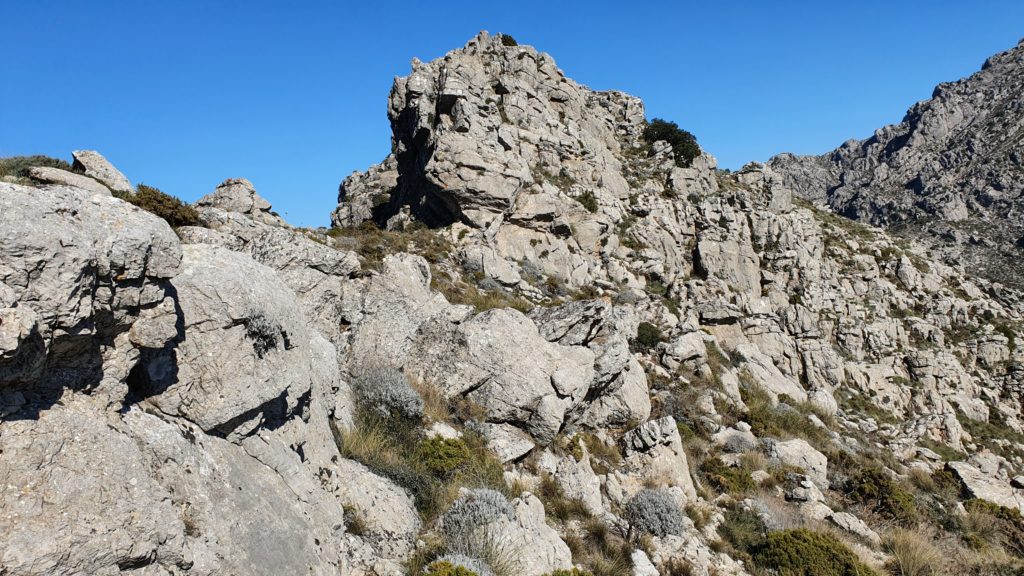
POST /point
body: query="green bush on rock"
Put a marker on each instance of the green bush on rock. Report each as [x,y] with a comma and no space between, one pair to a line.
[684,145]
[176,212]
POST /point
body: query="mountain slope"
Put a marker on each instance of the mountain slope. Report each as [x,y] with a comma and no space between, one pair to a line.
[951,173]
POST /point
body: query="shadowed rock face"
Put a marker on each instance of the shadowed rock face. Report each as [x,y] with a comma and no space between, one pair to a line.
[951,173]
[484,126]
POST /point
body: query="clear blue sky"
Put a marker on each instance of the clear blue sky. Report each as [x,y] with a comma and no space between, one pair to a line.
[184,94]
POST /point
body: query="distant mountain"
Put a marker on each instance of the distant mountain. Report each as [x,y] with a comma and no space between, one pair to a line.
[951,173]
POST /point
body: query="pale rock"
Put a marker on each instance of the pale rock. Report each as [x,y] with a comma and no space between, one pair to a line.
[93,164]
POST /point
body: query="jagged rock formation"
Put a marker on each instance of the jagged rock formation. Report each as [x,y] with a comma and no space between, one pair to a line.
[949,174]
[578,319]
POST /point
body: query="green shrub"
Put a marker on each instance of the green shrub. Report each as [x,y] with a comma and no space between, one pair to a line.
[1006,525]
[507,40]
[154,201]
[588,200]
[684,144]
[743,530]
[726,478]
[800,552]
[874,487]
[647,336]
[17,166]
[443,457]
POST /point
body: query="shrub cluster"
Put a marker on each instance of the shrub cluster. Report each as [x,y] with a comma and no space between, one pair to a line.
[507,40]
[176,212]
[17,166]
[872,486]
[684,145]
[263,332]
[801,552]
[655,512]
[647,337]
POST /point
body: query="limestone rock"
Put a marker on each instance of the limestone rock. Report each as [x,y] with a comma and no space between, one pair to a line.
[48,175]
[238,195]
[93,164]
[797,452]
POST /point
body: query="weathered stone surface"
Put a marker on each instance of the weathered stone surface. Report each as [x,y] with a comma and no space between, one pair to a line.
[48,175]
[499,360]
[797,452]
[238,195]
[986,487]
[92,163]
[247,359]
[76,292]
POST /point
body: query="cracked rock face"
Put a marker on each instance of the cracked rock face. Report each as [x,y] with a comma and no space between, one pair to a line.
[944,174]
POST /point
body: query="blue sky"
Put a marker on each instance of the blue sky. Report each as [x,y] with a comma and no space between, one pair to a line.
[181,95]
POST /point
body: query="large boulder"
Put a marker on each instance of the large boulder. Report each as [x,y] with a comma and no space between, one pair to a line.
[75,293]
[499,360]
[247,360]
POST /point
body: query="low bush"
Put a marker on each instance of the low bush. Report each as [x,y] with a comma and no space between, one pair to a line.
[374,243]
[176,212]
[588,200]
[684,145]
[655,512]
[509,41]
[443,457]
[743,530]
[466,530]
[18,166]
[801,552]
[873,487]
[727,479]
[647,337]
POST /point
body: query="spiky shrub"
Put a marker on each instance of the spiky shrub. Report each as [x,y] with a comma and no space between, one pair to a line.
[655,512]
[155,201]
[684,145]
[459,565]
[386,392]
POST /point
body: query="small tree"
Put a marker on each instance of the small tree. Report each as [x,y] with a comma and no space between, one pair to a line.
[684,145]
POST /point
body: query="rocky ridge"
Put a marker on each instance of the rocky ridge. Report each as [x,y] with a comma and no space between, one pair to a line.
[948,175]
[602,358]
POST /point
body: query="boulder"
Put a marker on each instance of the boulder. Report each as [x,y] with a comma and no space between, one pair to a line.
[49,175]
[93,164]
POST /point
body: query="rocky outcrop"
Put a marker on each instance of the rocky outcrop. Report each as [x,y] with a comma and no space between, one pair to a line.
[94,165]
[944,174]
